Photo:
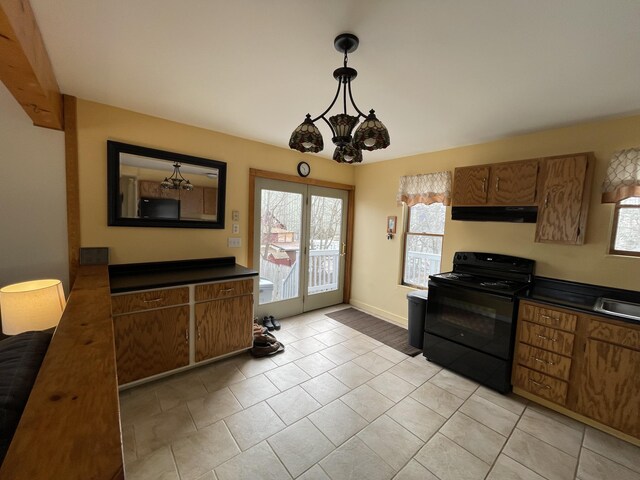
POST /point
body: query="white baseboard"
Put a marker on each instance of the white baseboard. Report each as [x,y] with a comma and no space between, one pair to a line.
[388,316]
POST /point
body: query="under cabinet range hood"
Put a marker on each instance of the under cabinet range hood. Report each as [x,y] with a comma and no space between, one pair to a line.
[496,214]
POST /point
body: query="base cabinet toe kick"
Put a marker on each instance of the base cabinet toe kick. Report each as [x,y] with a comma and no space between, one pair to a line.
[581,365]
[161,331]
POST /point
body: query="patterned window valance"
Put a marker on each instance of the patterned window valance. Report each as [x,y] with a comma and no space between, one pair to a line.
[623,176]
[428,188]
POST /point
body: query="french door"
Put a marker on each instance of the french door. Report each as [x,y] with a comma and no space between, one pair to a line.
[299,246]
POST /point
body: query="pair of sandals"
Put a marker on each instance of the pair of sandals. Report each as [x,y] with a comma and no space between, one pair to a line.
[265,344]
[271,323]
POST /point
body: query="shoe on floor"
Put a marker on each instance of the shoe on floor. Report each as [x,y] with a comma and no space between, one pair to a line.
[267,322]
[274,322]
[270,349]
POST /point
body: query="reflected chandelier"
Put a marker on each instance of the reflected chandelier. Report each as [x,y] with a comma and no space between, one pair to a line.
[371,134]
[176,181]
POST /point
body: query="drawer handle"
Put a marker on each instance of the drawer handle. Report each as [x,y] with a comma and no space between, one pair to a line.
[153,300]
[547,338]
[538,384]
[539,360]
[546,317]
[226,290]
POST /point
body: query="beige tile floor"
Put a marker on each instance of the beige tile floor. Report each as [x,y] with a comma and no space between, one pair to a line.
[340,405]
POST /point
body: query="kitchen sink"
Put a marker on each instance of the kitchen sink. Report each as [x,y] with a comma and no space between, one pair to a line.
[618,308]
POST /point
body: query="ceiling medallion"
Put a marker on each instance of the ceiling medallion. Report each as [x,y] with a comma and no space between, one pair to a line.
[371,134]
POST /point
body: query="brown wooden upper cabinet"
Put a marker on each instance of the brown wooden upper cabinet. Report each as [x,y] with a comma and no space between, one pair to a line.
[193,203]
[559,186]
[511,183]
[563,202]
[470,185]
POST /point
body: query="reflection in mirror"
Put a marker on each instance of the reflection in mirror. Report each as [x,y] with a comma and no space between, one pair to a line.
[150,187]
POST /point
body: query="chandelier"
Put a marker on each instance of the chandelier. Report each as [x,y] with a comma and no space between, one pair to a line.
[371,134]
[176,181]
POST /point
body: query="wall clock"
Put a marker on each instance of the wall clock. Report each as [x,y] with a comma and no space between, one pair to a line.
[304,169]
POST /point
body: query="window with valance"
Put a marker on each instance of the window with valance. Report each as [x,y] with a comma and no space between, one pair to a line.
[426,196]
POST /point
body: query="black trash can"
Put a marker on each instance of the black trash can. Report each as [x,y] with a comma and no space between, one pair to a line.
[417,313]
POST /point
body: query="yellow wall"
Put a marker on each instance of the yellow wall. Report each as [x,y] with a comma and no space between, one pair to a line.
[377,261]
[98,123]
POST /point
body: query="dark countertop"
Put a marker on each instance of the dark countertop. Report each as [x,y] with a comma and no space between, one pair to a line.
[578,296]
[143,276]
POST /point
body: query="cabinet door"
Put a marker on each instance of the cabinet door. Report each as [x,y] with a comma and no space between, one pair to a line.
[191,204]
[470,186]
[151,189]
[563,202]
[223,326]
[513,183]
[148,343]
[610,386]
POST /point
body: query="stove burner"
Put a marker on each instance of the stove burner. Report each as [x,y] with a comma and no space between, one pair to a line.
[457,276]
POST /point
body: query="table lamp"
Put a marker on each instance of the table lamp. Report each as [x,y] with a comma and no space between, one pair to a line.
[34,305]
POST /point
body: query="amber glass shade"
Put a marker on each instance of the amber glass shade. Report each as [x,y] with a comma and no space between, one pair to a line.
[306,137]
[371,134]
[347,154]
[343,126]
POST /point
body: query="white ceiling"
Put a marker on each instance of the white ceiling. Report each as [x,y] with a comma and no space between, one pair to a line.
[438,73]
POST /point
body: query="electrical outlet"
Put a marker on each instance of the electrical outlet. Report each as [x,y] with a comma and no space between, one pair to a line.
[235,228]
[235,215]
[234,242]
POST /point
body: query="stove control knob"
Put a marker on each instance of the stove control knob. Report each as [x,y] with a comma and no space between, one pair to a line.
[464,257]
[458,257]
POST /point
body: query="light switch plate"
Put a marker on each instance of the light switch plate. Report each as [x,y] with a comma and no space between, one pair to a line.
[234,242]
[235,215]
[235,228]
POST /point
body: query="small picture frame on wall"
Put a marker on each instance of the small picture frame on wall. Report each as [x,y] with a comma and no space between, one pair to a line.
[391,224]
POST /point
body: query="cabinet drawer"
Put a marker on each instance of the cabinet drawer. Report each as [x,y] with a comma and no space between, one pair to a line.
[547,338]
[616,334]
[544,361]
[139,301]
[213,291]
[549,317]
[540,384]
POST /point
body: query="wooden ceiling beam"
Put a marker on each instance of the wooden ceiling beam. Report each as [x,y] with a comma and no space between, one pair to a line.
[25,67]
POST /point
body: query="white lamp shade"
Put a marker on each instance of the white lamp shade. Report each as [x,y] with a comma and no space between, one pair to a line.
[34,305]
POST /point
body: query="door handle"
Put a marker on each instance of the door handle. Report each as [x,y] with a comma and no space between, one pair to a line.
[484,185]
[186,335]
[344,249]
[497,184]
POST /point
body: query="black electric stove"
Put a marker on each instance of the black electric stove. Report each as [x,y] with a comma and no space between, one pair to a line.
[471,315]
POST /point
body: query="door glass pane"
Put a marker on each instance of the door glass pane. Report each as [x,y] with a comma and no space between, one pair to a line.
[324,244]
[280,230]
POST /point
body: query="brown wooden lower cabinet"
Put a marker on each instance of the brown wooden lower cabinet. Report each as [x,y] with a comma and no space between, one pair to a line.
[222,326]
[151,342]
[152,327]
[609,386]
[599,378]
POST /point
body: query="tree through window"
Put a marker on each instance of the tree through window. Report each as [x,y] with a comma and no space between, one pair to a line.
[423,243]
[626,227]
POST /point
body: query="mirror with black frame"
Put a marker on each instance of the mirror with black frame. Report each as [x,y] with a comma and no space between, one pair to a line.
[155,188]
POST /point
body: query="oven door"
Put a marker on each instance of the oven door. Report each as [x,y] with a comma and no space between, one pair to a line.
[480,320]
